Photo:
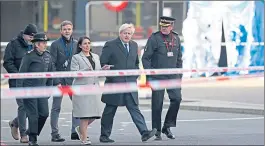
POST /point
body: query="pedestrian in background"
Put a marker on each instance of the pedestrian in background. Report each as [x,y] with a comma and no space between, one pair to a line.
[14,52]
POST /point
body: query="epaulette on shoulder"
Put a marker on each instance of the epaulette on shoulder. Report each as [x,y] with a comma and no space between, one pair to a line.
[155,33]
[175,32]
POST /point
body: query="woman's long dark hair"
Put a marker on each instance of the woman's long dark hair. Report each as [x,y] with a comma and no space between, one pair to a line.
[80,41]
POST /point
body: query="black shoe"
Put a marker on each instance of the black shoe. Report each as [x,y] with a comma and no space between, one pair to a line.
[148,134]
[33,143]
[74,136]
[105,139]
[168,133]
[57,138]
[158,135]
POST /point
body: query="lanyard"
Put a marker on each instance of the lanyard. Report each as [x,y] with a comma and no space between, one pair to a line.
[67,53]
[168,43]
[30,47]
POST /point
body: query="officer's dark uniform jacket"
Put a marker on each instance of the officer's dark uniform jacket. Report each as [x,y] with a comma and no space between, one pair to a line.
[35,61]
[14,52]
[62,50]
[156,57]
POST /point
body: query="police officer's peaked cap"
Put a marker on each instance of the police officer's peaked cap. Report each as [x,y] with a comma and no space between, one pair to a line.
[166,21]
[40,37]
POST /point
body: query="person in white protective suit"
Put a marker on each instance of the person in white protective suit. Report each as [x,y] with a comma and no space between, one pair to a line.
[202,31]
[238,18]
[201,35]
[190,32]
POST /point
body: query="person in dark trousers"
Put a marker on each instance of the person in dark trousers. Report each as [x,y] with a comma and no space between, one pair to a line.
[62,51]
[37,60]
[163,50]
[122,54]
[14,52]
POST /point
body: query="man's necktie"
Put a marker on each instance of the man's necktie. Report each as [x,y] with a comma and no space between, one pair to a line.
[126,47]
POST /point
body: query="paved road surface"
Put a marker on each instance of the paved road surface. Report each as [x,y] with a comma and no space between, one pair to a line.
[193,128]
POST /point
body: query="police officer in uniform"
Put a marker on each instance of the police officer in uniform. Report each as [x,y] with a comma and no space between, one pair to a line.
[37,60]
[163,50]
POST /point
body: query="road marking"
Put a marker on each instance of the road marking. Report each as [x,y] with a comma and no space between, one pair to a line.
[66,113]
[123,125]
[226,119]
[204,120]
[125,111]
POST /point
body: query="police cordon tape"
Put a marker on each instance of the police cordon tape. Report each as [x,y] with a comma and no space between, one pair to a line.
[123,72]
[45,92]
[142,43]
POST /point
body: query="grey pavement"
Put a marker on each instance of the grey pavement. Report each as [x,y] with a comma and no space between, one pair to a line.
[235,115]
[193,128]
[245,96]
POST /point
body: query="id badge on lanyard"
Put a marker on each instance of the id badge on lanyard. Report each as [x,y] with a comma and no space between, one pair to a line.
[170,52]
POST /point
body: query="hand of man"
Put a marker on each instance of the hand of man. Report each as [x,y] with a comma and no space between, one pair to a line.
[106,67]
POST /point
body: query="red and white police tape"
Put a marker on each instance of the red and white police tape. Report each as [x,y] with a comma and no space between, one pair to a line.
[122,72]
[44,92]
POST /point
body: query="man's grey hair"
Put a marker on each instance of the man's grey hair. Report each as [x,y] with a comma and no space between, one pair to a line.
[66,22]
[125,26]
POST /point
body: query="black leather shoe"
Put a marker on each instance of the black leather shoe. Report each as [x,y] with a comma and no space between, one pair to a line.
[168,133]
[148,134]
[74,136]
[57,138]
[33,143]
[158,135]
[106,140]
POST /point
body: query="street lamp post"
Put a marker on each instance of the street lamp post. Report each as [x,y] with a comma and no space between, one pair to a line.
[160,11]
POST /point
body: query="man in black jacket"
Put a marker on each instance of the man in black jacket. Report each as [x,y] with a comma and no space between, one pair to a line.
[37,109]
[14,52]
[62,51]
[163,50]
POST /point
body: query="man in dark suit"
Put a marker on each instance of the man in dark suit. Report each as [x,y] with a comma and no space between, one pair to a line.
[122,54]
[62,51]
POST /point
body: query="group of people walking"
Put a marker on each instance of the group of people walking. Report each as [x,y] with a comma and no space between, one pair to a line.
[28,53]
